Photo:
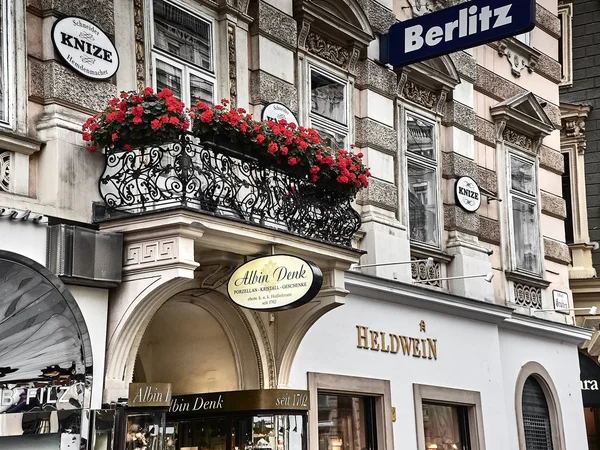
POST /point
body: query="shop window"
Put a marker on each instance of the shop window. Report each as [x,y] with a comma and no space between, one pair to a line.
[446,426]
[565,43]
[346,422]
[448,418]
[536,417]
[422,170]
[524,215]
[183,53]
[329,108]
[351,413]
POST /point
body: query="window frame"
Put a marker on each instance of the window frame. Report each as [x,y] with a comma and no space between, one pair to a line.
[450,397]
[565,15]
[532,199]
[552,399]
[379,390]
[424,162]
[187,68]
[8,84]
[321,122]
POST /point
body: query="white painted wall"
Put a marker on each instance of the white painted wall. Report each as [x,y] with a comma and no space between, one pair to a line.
[25,238]
[93,303]
[472,355]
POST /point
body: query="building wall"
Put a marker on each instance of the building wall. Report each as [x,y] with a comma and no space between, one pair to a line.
[584,90]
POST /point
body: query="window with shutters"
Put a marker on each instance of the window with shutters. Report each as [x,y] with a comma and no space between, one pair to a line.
[536,417]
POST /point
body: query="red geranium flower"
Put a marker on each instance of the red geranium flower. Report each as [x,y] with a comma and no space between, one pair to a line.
[114,136]
[127,147]
[87,136]
[272,148]
[148,91]
[155,124]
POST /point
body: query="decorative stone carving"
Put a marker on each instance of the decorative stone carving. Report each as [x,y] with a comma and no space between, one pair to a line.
[426,275]
[5,171]
[441,104]
[232,64]
[573,127]
[150,252]
[419,95]
[329,51]
[353,59]
[140,53]
[514,137]
[519,55]
[422,7]
[527,296]
[304,30]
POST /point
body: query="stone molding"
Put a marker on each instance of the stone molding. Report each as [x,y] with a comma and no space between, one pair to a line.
[373,134]
[380,17]
[101,12]
[51,82]
[151,253]
[551,160]
[460,116]
[547,21]
[231,53]
[274,23]
[487,179]
[379,193]
[465,64]
[499,88]
[549,68]
[513,137]
[375,77]
[140,46]
[518,55]
[455,165]
[265,88]
[456,218]
[485,132]
[557,252]
[553,205]
[489,230]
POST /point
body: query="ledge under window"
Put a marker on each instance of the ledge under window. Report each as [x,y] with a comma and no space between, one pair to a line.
[18,143]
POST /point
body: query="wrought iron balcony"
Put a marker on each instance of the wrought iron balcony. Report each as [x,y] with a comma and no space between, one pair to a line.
[223,182]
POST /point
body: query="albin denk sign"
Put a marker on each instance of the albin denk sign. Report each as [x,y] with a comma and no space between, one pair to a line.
[275,283]
[456,28]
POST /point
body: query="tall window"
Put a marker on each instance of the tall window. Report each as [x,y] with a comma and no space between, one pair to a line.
[567,192]
[536,417]
[525,218]
[329,108]
[183,53]
[4,68]
[446,426]
[346,422]
[422,168]
[565,43]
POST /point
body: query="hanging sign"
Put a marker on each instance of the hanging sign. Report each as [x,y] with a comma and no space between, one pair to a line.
[456,28]
[275,283]
[85,48]
[277,112]
[467,193]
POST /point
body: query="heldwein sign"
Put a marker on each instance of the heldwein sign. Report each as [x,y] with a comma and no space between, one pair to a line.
[275,283]
[462,26]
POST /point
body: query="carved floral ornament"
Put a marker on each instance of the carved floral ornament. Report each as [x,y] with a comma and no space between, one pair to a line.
[518,55]
[422,7]
[329,51]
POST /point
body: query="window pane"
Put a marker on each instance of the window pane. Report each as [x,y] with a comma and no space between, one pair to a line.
[168,76]
[536,418]
[344,423]
[526,236]
[443,428]
[200,88]
[420,137]
[422,204]
[522,175]
[182,34]
[328,97]
[331,139]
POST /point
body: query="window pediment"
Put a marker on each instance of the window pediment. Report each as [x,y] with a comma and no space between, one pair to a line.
[522,118]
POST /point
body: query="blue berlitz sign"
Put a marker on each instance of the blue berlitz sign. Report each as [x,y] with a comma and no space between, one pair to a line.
[462,26]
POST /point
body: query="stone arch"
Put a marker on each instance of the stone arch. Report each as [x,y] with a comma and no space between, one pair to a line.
[541,375]
[127,331]
[348,10]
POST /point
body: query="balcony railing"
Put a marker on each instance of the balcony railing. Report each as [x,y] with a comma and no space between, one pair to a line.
[224,183]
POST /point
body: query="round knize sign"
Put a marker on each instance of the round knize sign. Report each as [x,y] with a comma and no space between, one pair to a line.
[277,112]
[468,195]
[85,48]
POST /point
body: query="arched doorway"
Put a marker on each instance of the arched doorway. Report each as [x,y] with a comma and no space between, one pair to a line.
[45,357]
[185,345]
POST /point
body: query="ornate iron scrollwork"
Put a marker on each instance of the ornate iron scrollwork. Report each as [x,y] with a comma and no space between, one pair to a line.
[225,183]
